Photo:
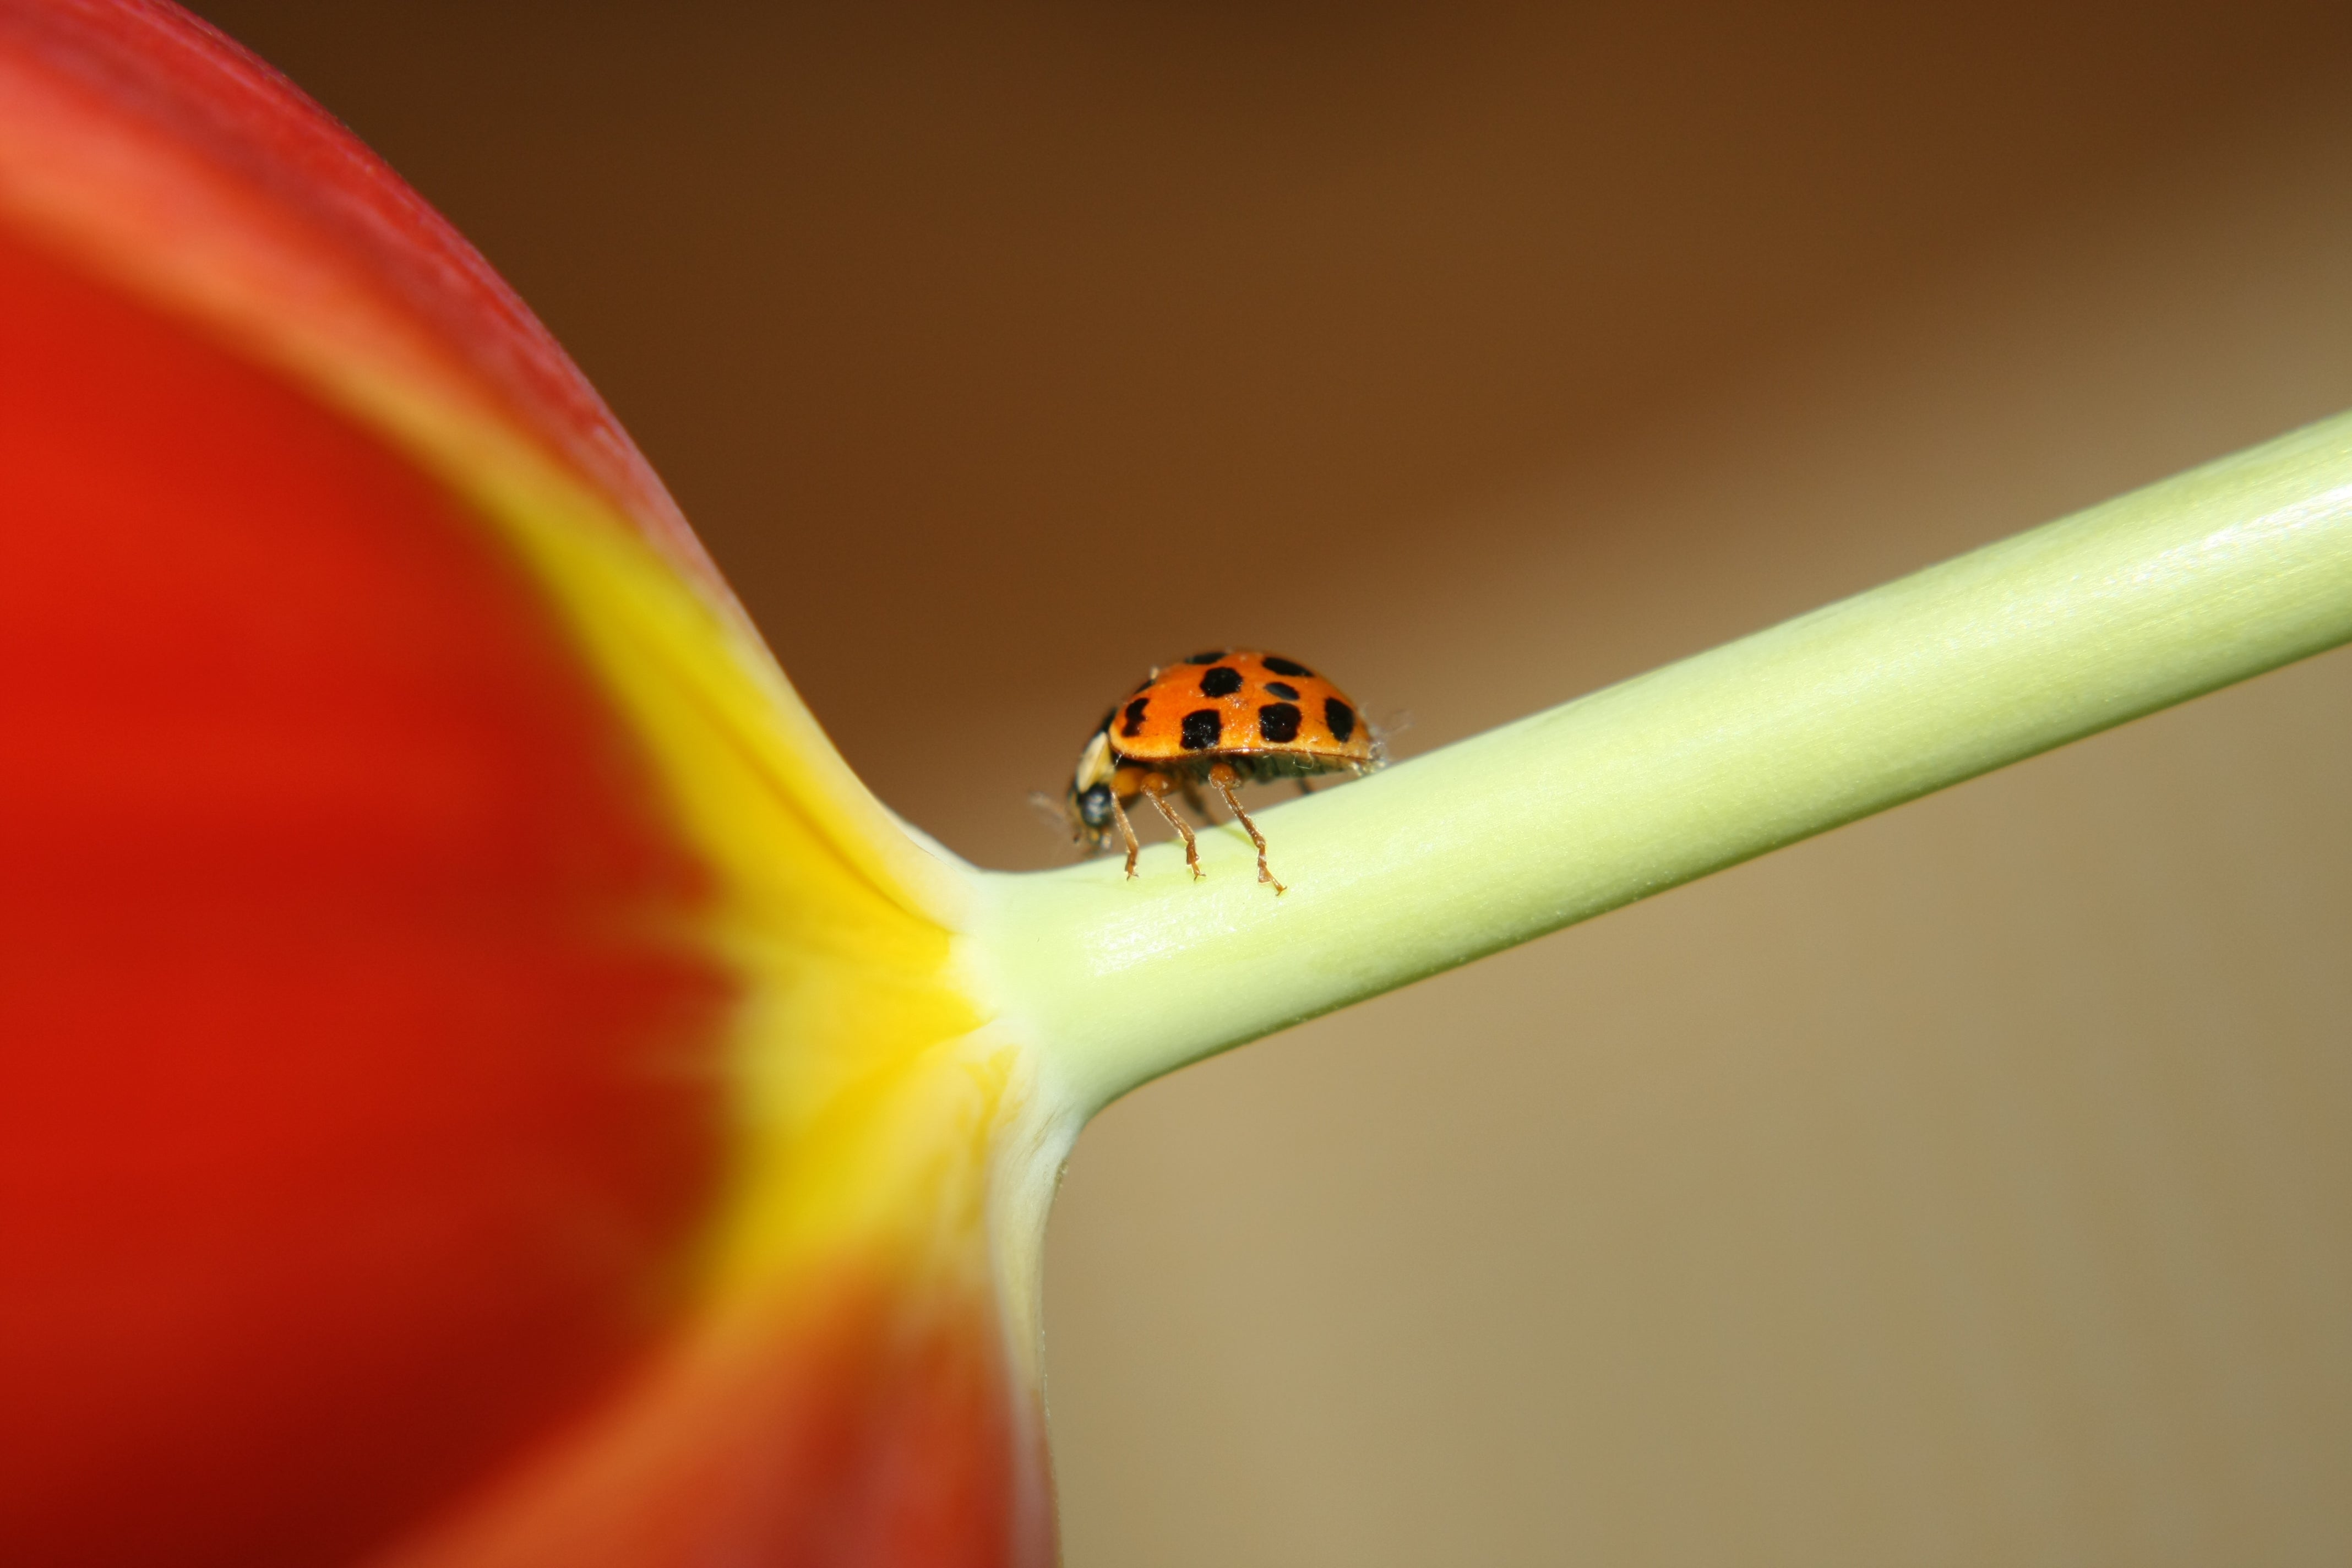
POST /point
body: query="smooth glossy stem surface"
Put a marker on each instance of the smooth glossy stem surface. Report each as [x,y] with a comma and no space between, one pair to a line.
[2221,574]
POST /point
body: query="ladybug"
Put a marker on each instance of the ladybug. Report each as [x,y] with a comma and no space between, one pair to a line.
[1226,719]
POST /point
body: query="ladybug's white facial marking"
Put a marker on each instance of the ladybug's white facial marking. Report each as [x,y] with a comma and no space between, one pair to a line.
[1095,764]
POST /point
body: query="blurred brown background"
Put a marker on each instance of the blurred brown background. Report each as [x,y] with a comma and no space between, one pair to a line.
[1974,1184]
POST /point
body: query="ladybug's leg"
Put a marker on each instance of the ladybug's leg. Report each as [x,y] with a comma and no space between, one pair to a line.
[1305,785]
[1224,778]
[1155,789]
[1125,831]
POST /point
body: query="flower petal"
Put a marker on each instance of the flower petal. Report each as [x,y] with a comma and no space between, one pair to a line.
[484,1082]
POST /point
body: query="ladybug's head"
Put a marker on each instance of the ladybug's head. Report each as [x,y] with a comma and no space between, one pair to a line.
[1083,814]
[1091,807]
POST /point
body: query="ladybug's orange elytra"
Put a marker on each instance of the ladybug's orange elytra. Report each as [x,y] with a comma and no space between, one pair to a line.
[1223,719]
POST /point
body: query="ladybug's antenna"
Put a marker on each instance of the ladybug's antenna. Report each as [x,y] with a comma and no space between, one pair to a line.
[1057,810]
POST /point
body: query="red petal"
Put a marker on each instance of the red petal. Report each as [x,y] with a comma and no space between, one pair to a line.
[167,155]
[361,1107]
[357,1104]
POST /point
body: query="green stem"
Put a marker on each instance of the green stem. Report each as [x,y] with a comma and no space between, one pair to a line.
[2208,578]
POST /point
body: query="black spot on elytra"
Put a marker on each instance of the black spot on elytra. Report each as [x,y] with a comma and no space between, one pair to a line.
[1281,666]
[1279,723]
[1341,717]
[1203,728]
[1283,689]
[1222,681]
[1134,725]
[1206,658]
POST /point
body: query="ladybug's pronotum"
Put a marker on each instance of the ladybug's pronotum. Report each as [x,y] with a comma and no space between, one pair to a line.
[1222,719]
